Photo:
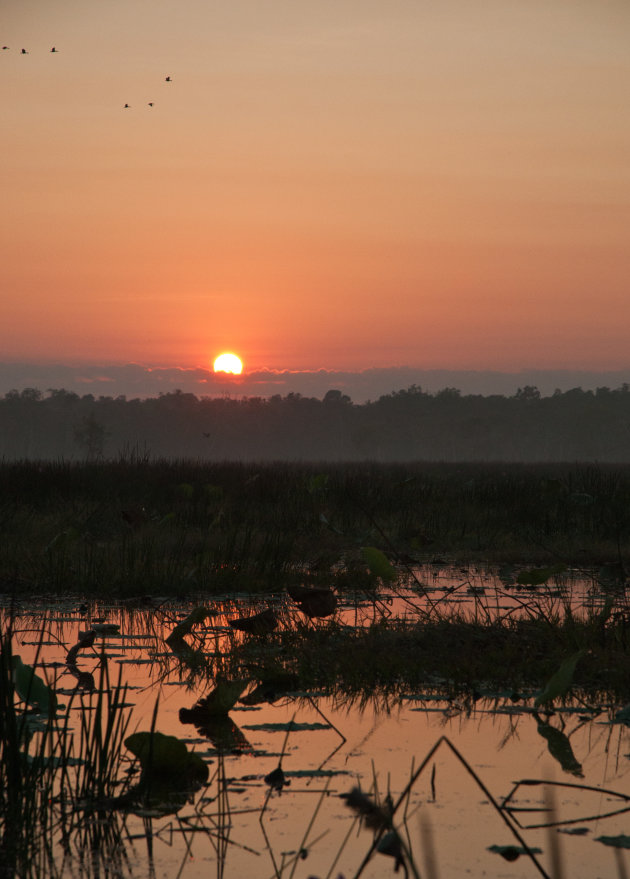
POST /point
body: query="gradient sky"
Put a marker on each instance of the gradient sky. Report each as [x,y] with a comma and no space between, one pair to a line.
[343,184]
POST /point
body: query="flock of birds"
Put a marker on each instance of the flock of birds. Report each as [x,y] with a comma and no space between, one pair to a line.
[149,103]
[54,49]
[25,51]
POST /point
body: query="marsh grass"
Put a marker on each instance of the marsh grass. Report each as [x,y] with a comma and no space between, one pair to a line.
[28,749]
[177,528]
[57,786]
[72,795]
[239,534]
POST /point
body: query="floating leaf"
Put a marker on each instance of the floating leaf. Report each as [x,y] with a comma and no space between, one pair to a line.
[621,841]
[317,773]
[613,574]
[290,726]
[623,716]
[32,689]
[195,617]
[512,852]
[559,684]
[221,699]
[389,844]
[276,779]
[506,574]
[538,576]
[378,563]
[106,628]
[161,755]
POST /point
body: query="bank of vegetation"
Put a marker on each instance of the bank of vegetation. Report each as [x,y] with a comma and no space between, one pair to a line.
[408,425]
[180,528]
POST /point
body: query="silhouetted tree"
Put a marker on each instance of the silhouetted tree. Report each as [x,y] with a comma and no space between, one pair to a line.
[90,436]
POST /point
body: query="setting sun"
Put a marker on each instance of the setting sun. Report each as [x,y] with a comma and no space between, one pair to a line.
[228,363]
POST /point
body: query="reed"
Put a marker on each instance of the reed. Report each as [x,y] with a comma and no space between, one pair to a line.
[180,527]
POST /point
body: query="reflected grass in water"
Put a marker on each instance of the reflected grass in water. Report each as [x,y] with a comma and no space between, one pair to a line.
[373,665]
[53,781]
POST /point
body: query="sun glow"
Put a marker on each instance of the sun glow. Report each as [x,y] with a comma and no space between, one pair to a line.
[228,363]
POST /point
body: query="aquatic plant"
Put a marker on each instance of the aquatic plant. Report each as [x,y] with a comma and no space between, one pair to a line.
[183,528]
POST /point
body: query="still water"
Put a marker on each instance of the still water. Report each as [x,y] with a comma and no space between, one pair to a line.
[454,763]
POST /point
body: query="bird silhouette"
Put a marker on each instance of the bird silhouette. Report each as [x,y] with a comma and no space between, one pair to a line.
[127,107]
[168,79]
[53,49]
[150,103]
[4,47]
[259,624]
[24,52]
[317,602]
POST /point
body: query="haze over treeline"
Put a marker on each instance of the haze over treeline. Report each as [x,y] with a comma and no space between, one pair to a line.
[141,380]
[406,425]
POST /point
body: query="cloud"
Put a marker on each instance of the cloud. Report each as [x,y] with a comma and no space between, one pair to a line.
[136,380]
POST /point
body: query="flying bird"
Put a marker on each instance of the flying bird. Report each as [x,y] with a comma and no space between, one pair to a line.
[24,52]
[150,103]
[53,49]
[127,107]
[168,79]
[4,47]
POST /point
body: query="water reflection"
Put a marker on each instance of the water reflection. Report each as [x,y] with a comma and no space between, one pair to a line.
[463,777]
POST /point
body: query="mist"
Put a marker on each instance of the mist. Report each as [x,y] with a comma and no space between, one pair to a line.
[406,425]
[142,381]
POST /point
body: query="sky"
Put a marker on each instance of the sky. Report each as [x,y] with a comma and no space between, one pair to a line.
[340,185]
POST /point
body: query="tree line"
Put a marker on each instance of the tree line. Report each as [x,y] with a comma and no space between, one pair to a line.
[406,425]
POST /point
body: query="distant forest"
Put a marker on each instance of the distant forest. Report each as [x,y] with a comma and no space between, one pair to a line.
[407,425]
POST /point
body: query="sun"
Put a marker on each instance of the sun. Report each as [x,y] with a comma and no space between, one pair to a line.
[228,362]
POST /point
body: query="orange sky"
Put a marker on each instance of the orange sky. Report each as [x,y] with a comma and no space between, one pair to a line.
[341,184]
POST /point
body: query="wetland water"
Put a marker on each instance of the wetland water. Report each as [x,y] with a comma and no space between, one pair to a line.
[236,824]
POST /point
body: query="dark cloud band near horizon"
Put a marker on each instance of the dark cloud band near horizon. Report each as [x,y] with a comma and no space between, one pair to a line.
[136,380]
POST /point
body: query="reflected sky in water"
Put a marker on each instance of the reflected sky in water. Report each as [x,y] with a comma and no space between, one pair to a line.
[337,743]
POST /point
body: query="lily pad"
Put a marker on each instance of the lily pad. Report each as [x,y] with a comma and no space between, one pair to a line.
[378,563]
[194,618]
[621,841]
[512,852]
[560,683]
[32,689]
[538,576]
[106,628]
[285,727]
[166,756]
[622,716]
